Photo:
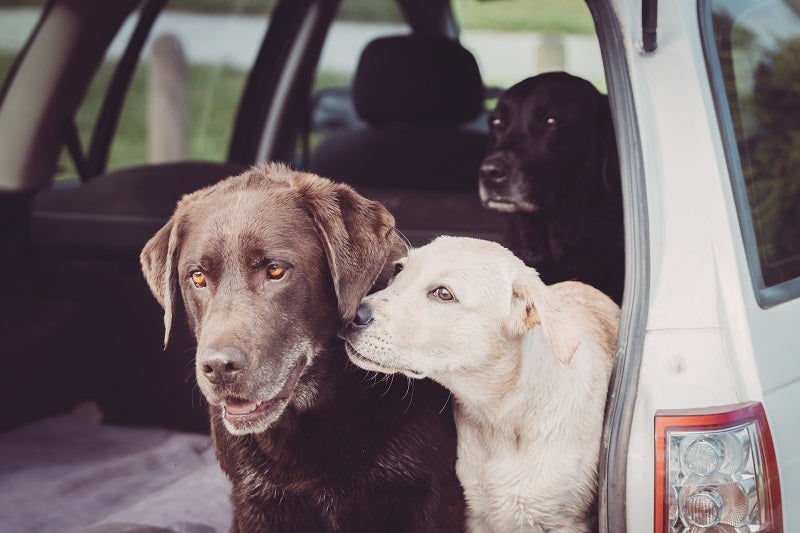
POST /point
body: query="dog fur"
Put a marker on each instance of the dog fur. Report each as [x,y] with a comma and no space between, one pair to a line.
[528,365]
[265,265]
[551,164]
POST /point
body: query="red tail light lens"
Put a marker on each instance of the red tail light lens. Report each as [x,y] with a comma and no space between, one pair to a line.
[716,471]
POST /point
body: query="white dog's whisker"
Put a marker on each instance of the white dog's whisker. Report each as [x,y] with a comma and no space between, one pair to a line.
[446,401]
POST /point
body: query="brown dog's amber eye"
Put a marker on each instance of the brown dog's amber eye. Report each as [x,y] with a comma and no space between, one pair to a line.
[199,279]
[443,293]
[275,271]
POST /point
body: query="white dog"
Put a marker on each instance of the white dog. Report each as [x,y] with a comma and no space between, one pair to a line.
[528,366]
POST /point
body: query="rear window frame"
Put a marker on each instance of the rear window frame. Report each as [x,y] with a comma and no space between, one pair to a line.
[766,295]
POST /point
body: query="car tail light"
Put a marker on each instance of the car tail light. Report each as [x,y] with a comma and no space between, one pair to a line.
[716,471]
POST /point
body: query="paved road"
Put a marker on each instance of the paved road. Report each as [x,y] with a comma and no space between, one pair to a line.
[503,57]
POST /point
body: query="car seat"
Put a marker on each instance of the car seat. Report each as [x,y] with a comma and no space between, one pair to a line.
[417,95]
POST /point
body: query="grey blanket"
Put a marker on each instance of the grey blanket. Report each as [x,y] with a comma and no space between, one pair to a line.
[70,474]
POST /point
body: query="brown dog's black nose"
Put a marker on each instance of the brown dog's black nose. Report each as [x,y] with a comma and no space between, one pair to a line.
[493,170]
[363,316]
[221,364]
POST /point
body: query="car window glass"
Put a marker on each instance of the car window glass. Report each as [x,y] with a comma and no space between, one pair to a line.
[184,94]
[17,21]
[515,39]
[357,22]
[510,39]
[757,52]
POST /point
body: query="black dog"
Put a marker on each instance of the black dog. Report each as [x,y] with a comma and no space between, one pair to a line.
[552,164]
[266,264]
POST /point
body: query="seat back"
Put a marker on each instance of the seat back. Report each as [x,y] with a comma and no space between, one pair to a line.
[417,95]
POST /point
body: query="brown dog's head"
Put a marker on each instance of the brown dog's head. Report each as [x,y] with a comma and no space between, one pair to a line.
[550,139]
[266,264]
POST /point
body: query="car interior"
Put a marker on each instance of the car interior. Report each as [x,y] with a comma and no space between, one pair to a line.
[80,331]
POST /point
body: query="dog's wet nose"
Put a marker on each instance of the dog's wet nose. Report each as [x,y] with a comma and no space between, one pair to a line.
[363,316]
[221,364]
[493,170]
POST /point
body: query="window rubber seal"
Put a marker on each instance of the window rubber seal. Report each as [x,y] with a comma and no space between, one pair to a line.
[623,387]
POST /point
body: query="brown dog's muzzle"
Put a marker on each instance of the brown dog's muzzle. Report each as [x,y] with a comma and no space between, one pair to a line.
[221,365]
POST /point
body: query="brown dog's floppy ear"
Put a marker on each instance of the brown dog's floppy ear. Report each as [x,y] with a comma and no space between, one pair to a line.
[357,235]
[534,303]
[398,249]
[158,259]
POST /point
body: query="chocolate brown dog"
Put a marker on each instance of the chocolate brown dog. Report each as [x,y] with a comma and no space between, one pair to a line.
[552,165]
[267,264]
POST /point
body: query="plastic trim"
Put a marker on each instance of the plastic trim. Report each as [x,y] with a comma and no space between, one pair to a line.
[625,378]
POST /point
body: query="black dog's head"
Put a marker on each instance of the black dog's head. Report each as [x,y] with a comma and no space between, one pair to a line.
[549,138]
[265,264]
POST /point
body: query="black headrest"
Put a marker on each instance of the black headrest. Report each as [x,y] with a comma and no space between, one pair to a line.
[415,79]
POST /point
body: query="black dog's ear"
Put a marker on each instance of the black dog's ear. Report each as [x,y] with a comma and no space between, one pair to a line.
[357,234]
[158,259]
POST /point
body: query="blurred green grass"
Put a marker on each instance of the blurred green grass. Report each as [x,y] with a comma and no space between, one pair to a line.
[570,16]
[559,16]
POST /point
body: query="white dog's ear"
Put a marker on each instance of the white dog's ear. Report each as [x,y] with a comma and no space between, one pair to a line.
[533,303]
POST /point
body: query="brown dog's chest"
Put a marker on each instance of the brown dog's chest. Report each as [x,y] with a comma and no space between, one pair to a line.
[353,461]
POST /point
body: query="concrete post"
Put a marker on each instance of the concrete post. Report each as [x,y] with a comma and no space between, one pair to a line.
[550,53]
[167,101]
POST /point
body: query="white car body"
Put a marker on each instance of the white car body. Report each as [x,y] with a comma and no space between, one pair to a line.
[707,341]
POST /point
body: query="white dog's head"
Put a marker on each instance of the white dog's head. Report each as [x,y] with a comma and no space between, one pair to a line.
[453,306]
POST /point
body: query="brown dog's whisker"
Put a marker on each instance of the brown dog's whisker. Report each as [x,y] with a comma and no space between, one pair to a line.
[406,241]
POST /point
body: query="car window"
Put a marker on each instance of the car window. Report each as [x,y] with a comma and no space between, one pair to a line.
[357,23]
[510,39]
[17,21]
[753,49]
[514,39]
[184,94]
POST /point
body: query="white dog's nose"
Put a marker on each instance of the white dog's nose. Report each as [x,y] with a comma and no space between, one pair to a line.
[363,315]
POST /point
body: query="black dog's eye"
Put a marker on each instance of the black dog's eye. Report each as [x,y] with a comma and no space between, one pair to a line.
[496,122]
[551,121]
[199,279]
[275,271]
[443,293]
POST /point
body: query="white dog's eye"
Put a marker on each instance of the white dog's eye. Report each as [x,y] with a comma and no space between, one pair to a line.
[397,268]
[443,293]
